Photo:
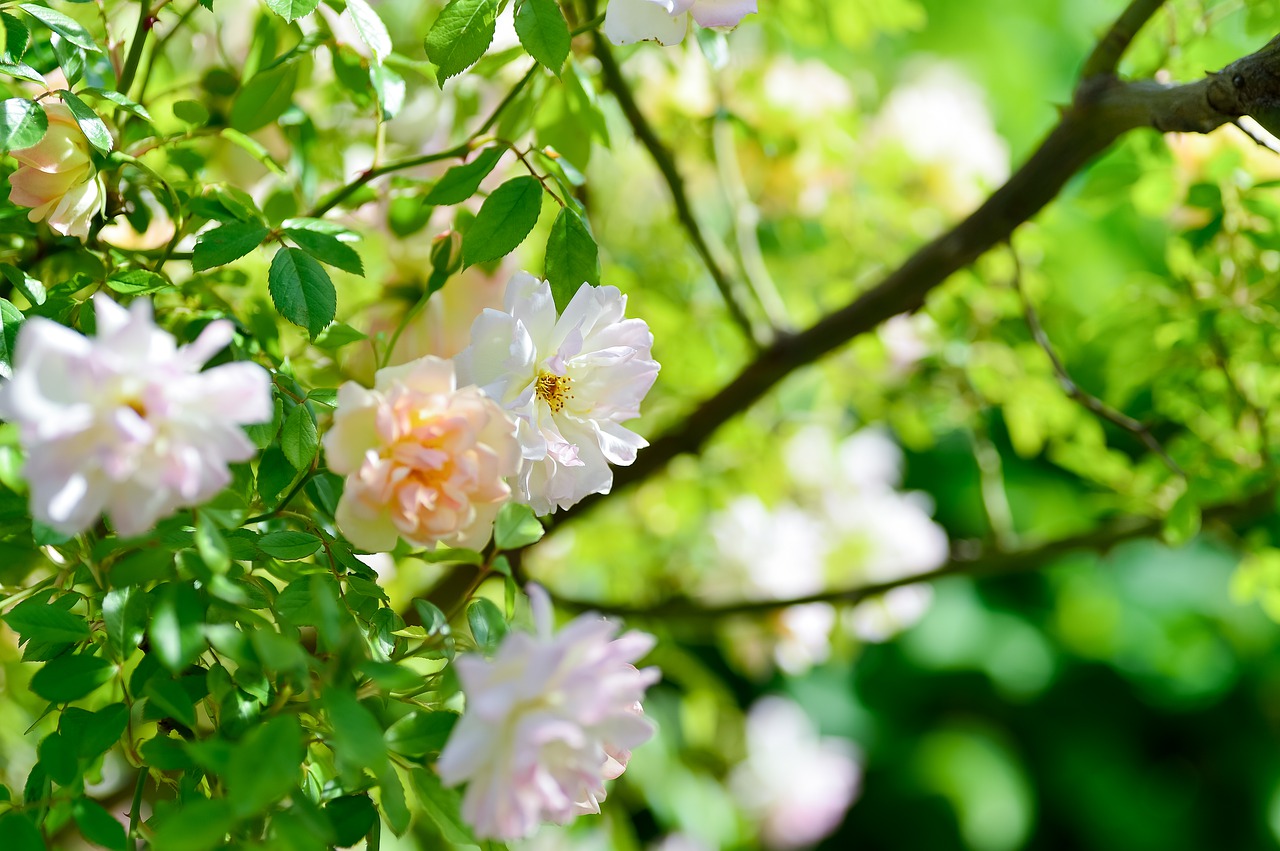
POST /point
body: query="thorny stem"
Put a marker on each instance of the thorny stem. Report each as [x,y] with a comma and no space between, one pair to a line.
[136,47]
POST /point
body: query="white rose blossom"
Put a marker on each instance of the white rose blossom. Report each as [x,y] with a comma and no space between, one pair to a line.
[797,785]
[548,720]
[666,21]
[569,381]
[126,424]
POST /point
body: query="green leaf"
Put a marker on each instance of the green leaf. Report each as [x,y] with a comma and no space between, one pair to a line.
[326,248]
[58,756]
[573,259]
[357,736]
[299,438]
[36,620]
[504,220]
[31,289]
[390,89]
[421,733]
[119,100]
[288,545]
[461,35]
[62,25]
[137,282]
[351,816]
[70,678]
[22,123]
[516,527]
[291,10]
[124,612]
[264,98]
[22,72]
[94,130]
[226,243]
[461,182]
[265,765]
[211,545]
[11,320]
[20,833]
[70,58]
[17,36]
[171,699]
[371,29]
[443,806]
[487,624]
[177,626]
[98,826]
[301,290]
[544,33]
[199,824]
[395,809]
[337,335]
[191,111]
[101,730]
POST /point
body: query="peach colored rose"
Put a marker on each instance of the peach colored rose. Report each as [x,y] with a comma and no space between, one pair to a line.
[424,460]
[57,178]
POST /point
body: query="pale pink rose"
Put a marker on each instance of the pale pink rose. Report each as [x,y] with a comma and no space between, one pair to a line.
[56,177]
[126,424]
[548,720]
[795,785]
[424,460]
[665,21]
[569,380]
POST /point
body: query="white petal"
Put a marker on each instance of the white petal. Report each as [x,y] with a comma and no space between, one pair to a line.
[722,13]
[629,21]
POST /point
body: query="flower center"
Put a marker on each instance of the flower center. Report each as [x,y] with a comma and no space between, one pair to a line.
[135,404]
[554,389]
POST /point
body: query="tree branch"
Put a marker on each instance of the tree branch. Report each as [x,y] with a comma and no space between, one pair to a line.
[617,84]
[1106,55]
[1104,110]
[985,564]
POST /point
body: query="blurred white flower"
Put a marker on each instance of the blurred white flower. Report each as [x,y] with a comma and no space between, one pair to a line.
[940,118]
[796,785]
[548,720]
[569,381]
[907,340]
[125,423]
[802,636]
[56,177]
[881,618]
[809,88]
[665,21]
[424,460]
[765,554]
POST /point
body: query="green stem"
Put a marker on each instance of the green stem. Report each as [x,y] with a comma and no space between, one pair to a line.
[135,48]
[135,810]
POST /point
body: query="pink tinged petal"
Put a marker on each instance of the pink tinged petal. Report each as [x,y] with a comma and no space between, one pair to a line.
[214,338]
[629,21]
[354,431]
[722,13]
[426,375]
[235,393]
[111,318]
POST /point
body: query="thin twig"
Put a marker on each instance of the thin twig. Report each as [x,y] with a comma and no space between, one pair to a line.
[981,565]
[140,33]
[1074,390]
[611,74]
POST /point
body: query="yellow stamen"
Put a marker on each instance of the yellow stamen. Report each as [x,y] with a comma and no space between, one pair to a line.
[554,389]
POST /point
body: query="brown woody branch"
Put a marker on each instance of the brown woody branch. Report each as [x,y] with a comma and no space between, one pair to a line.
[981,565]
[1103,109]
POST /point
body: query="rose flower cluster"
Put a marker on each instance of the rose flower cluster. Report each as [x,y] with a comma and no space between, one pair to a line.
[128,426]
